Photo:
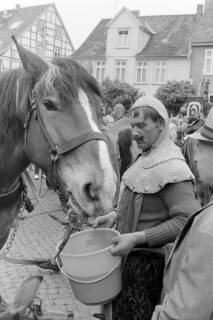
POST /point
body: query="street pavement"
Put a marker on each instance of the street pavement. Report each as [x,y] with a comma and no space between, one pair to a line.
[36,237]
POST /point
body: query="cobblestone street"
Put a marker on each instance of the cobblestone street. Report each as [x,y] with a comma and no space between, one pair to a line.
[36,237]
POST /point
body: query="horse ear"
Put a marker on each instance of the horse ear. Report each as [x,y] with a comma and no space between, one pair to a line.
[26,293]
[31,62]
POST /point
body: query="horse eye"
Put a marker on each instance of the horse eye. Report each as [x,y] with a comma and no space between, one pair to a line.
[49,105]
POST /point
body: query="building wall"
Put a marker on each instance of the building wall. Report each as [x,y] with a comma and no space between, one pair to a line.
[197,68]
[44,42]
[130,70]
[177,69]
[124,21]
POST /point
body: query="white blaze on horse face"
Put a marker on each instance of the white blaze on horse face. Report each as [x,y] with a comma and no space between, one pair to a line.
[83,99]
[109,173]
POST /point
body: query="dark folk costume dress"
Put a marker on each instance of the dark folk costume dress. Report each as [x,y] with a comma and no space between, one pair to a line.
[157,197]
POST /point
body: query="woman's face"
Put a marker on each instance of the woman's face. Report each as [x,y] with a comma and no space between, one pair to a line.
[204,159]
[145,131]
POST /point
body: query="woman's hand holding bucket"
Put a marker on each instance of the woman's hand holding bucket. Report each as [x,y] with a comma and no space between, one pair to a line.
[106,221]
[124,243]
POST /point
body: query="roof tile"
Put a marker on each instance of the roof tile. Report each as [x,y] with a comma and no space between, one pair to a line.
[171,38]
[27,15]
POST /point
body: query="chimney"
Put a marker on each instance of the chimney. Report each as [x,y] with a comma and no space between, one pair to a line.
[208,4]
[18,6]
[136,13]
[5,14]
[200,9]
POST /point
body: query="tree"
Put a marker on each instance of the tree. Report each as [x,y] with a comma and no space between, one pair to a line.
[118,92]
[174,94]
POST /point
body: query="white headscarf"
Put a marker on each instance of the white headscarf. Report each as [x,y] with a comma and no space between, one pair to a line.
[148,101]
[157,105]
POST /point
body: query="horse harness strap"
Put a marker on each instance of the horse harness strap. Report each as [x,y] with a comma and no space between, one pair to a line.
[56,150]
[78,141]
[22,261]
[11,196]
[59,149]
[8,197]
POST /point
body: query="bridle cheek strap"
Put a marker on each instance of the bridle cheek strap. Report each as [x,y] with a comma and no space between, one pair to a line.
[78,141]
[57,150]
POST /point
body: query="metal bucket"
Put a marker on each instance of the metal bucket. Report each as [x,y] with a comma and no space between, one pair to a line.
[99,290]
[87,253]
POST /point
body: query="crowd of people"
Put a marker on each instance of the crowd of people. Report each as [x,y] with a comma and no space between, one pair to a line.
[157,207]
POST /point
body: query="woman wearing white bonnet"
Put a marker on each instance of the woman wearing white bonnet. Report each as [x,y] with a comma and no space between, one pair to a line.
[156,198]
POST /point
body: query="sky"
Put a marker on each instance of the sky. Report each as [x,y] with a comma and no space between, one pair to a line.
[81,16]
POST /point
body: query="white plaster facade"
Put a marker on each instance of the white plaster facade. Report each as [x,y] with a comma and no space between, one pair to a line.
[138,36]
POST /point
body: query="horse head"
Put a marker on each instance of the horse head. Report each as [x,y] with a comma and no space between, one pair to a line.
[62,133]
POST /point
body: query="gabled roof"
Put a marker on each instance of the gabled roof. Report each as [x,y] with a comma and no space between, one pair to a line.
[204,31]
[95,45]
[63,25]
[18,20]
[170,36]
[25,16]
[120,12]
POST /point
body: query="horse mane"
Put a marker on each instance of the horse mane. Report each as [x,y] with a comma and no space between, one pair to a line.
[66,76]
[15,86]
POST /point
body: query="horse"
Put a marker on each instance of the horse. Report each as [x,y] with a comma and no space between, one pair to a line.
[49,116]
[120,132]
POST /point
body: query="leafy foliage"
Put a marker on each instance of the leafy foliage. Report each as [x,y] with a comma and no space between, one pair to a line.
[118,92]
[174,94]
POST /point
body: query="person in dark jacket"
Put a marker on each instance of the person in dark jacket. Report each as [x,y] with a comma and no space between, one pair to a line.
[188,281]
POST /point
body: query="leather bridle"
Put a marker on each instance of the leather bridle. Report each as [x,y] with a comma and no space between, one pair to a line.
[55,150]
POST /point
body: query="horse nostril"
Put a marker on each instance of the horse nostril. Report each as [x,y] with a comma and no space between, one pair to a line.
[91,191]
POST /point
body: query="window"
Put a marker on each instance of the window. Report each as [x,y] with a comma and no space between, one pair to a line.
[141,71]
[160,72]
[39,48]
[120,70]
[123,38]
[57,51]
[58,32]
[100,70]
[208,65]
[41,26]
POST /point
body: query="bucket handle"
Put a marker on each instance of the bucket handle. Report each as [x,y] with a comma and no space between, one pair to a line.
[87,282]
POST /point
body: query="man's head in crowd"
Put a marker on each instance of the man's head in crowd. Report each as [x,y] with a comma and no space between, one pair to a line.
[204,154]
